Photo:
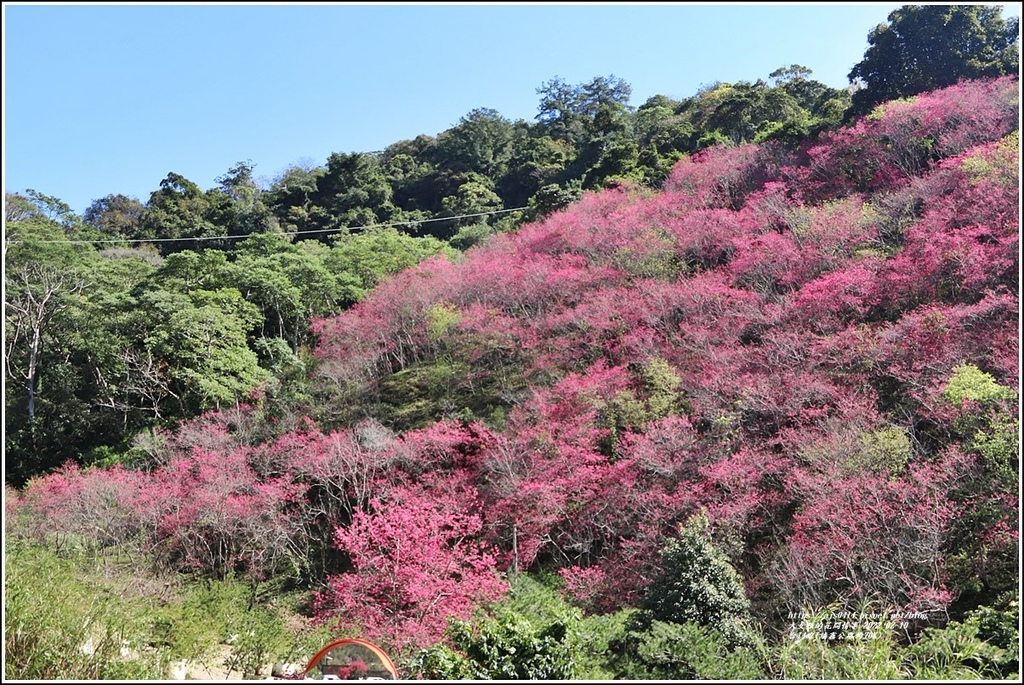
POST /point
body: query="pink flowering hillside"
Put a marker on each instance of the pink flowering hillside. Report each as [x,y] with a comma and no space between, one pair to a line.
[816,347]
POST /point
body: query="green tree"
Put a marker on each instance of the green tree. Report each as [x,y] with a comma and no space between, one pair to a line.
[744,108]
[658,124]
[820,107]
[45,280]
[609,149]
[290,197]
[53,209]
[179,209]
[697,585]
[694,621]
[183,334]
[354,191]
[116,216]
[239,200]
[565,110]
[202,338]
[474,196]
[372,255]
[480,142]
[120,380]
[536,161]
[552,197]
[925,47]
[78,381]
[290,282]
[419,176]
[41,279]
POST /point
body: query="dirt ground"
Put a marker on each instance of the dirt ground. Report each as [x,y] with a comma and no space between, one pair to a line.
[212,669]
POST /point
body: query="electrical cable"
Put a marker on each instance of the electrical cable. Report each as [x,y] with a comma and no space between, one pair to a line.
[288,233]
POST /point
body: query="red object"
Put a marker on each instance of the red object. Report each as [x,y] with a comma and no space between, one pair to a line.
[351,659]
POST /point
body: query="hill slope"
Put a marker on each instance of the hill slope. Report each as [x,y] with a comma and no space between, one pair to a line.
[817,349]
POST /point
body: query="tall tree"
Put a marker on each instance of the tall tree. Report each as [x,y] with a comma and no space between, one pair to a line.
[39,280]
[117,216]
[241,209]
[536,161]
[180,209]
[354,191]
[290,197]
[46,282]
[481,142]
[565,110]
[926,47]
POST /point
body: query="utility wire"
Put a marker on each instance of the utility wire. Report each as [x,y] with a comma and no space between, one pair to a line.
[290,233]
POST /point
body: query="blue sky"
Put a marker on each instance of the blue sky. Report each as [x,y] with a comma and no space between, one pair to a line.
[102,99]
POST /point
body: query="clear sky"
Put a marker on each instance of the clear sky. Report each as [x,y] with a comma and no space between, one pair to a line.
[102,99]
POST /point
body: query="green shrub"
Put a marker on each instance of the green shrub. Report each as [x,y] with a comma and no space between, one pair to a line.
[61,625]
[533,635]
[683,651]
[869,653]
[697,585]
[68,618]
[259,638]
[441,662]
[986,644]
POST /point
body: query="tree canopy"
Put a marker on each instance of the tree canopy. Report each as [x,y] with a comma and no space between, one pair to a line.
[926,47]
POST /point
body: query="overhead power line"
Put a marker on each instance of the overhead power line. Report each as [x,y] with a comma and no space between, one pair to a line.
[287,233]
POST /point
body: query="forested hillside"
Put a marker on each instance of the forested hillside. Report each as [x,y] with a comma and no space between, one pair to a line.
[736,395]
[240,270]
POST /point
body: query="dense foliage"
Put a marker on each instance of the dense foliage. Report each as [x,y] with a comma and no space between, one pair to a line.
[925,47]
[107,339]
[758,422]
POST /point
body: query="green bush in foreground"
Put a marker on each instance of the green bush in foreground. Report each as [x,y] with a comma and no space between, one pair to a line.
[59,627]
[533,635]
[68,617]
[71,617]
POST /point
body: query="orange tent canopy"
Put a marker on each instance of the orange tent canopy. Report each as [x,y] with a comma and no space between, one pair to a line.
[351,659]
